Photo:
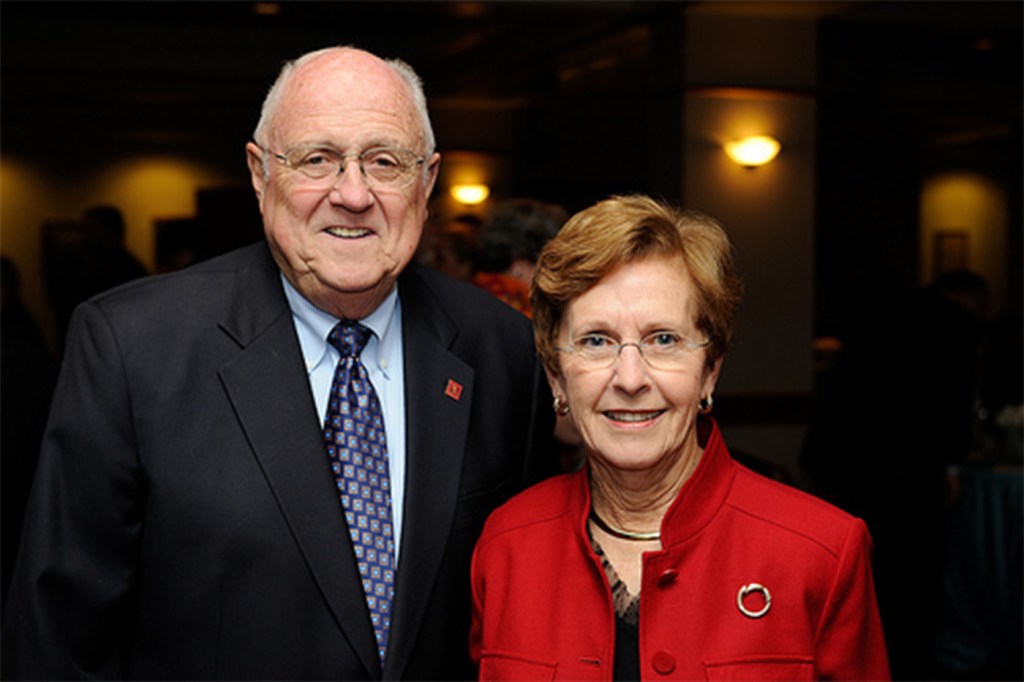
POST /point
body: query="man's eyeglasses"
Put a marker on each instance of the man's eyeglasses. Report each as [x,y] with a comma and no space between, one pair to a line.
[664,350]
[382,167]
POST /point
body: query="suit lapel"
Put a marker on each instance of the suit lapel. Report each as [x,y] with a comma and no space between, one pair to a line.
[267,385]
[438,401]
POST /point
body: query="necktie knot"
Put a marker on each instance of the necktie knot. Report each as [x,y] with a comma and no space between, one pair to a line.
[349,337]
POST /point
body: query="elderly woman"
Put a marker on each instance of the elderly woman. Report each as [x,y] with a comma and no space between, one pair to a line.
[663,557]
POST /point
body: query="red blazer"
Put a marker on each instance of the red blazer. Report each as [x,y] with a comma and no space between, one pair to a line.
[542,607]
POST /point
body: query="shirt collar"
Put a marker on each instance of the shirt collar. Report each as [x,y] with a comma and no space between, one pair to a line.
[313,325]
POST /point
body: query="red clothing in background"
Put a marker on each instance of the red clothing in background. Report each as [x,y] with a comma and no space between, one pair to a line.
[507,288]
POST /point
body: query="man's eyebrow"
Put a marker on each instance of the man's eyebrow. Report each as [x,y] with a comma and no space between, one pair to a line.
[314,145]
[377,143]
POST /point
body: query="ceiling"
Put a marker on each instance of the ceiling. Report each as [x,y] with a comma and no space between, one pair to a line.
[193,72]
[161,68]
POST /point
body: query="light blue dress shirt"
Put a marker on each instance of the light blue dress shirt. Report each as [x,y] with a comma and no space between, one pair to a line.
[383,359]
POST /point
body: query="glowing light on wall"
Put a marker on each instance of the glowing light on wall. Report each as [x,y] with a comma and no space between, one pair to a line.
[755,150]
[470,194]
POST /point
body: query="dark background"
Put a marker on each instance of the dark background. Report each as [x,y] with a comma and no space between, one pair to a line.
[905,89]
[570,95]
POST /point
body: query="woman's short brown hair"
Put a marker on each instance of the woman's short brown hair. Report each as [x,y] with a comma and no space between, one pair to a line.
[621,229]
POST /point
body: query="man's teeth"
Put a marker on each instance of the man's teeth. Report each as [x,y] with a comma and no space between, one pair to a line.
[633,416]
[349,232]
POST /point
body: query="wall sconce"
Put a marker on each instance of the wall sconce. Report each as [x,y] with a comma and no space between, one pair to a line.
[752,151]
[470,195]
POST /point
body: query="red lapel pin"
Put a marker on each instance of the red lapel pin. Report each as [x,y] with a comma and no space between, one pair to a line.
[453,390]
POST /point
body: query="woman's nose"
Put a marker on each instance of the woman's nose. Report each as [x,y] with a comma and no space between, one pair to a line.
[631,370]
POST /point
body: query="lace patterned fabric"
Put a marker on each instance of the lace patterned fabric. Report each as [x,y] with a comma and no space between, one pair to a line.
[627,605]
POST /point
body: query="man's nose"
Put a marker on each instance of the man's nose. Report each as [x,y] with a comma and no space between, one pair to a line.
[350,187]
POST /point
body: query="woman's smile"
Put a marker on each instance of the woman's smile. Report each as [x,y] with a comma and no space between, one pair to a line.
[632,417]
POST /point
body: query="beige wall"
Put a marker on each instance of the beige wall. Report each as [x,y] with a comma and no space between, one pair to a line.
[972,209]
[757,77]
[145,188]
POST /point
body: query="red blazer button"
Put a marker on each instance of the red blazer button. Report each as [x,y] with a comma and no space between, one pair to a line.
[664,662]
[667,577]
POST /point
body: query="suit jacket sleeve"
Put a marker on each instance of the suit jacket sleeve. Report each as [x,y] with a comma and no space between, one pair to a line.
[85,522]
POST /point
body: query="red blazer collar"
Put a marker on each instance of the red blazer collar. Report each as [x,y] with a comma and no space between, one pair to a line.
[698,501]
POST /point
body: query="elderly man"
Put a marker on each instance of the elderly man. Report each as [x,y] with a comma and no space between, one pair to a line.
[274,465]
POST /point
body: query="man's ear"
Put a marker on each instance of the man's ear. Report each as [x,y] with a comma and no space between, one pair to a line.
[257,174]
[433,169]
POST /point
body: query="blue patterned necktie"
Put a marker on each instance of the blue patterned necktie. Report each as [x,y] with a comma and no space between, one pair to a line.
[357,450]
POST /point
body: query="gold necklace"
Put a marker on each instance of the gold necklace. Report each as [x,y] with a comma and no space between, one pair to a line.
[623,534]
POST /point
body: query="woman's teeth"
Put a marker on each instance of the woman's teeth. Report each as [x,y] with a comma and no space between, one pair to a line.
[632,416]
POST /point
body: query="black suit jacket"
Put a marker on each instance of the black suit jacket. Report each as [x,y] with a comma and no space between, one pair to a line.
[184,521]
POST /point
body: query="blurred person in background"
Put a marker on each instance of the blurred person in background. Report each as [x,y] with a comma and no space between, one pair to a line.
[510,241]
[28,372]
[452,248]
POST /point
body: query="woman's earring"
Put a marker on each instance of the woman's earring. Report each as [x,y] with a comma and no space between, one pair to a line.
[705,404]
[561,407]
